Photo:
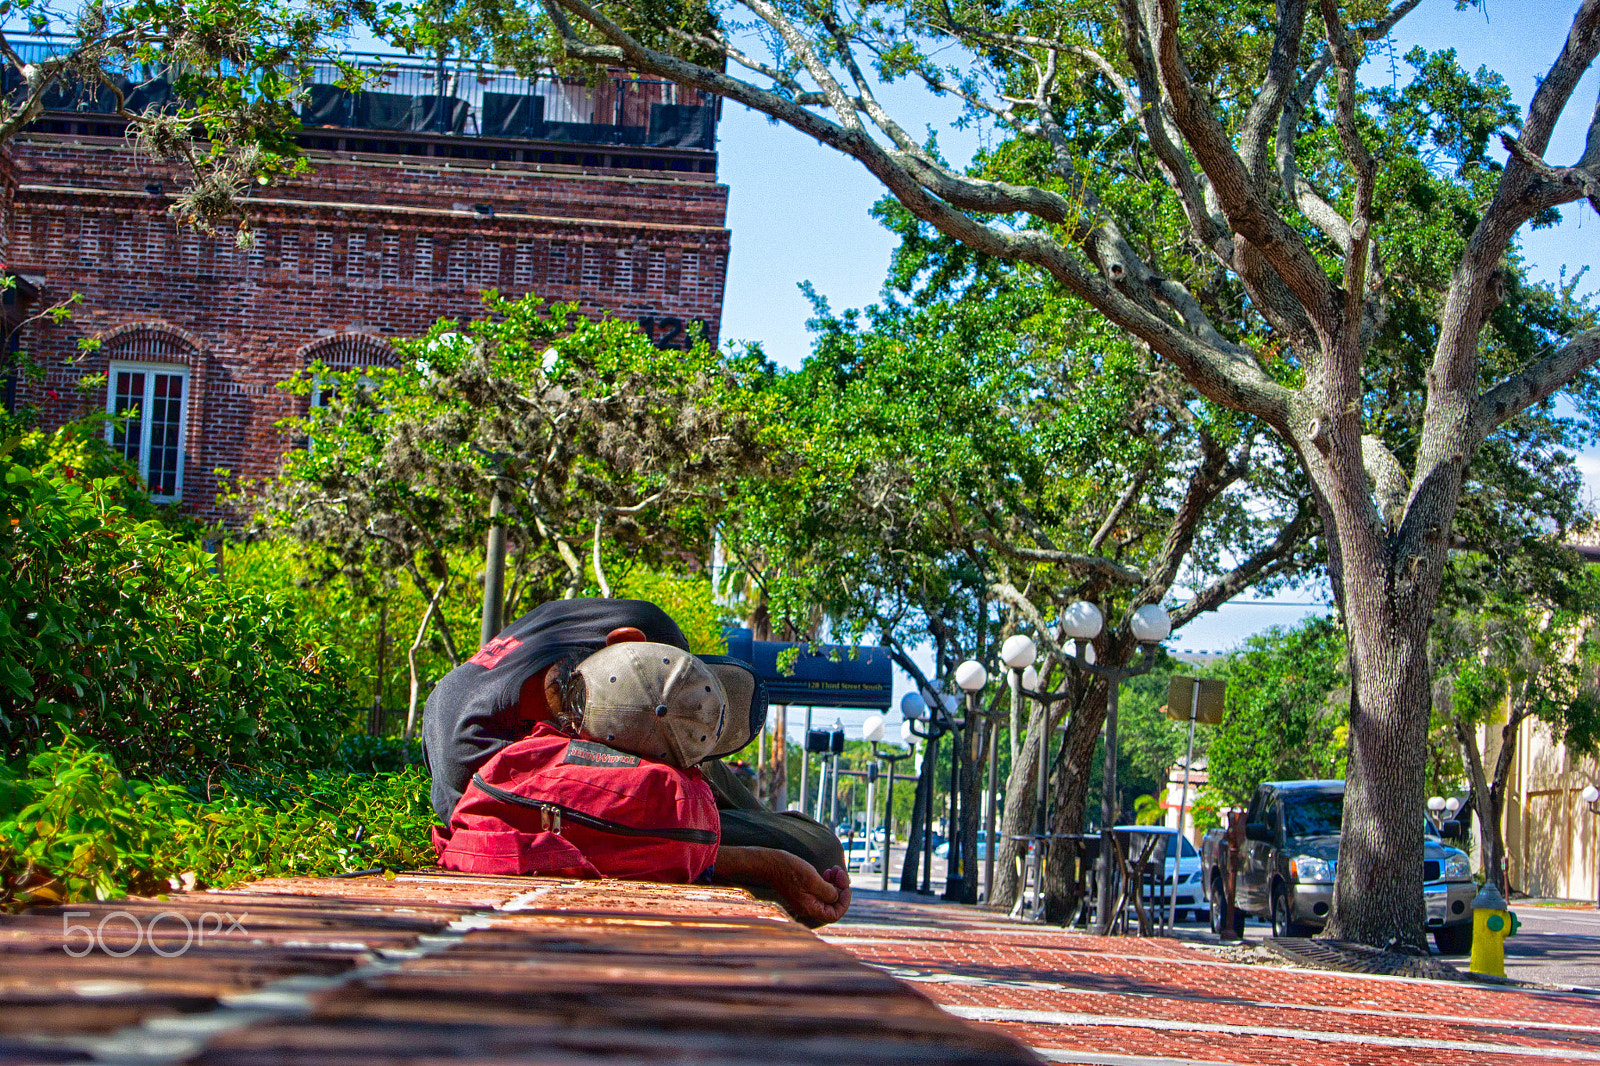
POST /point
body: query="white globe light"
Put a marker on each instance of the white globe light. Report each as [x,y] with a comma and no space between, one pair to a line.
[872,728]
[1151,624]
[1089,654]
[971,675]
[1452,805]
[1436,803]
[1030,679]
[1082,620]
[1018,652]
[913,706]
[907,737]
[1590,794]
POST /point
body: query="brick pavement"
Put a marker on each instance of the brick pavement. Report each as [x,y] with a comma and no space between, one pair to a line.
[1079,998]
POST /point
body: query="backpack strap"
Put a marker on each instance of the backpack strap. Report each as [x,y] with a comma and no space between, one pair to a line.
[556,812]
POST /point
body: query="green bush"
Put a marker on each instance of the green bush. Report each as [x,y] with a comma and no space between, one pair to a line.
[117,629]
[73,827]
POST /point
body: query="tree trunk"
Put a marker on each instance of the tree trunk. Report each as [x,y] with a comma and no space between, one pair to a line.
[971,749]
[1070,776]
[775,775]
[1488,799]
[1377,897]
[910,865]
[1018,815]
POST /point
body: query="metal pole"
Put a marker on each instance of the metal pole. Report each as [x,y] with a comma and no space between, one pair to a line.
[888,823]
[1016,717]
[494,574]
[1108,805]
[988,825]
[1183,802]
[833,791]
[952,868]
[761,760]
[866,824]
[930,759]
[1039,824]
[805,765]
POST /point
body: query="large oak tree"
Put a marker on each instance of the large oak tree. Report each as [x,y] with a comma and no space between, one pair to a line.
[1250,121]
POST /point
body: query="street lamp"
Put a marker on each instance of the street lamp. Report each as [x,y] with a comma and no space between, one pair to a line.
[1018,654]
[1149,625]
[872,731]
[1436,811]
[1591,796]
[970,678]
[914,709]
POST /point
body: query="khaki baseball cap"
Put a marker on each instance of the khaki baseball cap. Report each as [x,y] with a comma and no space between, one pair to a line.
[653,700]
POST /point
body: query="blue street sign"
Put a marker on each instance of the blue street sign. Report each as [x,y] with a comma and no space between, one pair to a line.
[823,675]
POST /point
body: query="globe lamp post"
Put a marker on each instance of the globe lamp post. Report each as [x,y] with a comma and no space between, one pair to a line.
[1150,625]
[872,731]
[970,679]
[914,709]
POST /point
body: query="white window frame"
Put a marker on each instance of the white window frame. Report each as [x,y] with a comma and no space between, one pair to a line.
[324,388]
[150,370]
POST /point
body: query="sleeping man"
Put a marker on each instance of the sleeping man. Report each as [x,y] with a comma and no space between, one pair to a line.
[520,679]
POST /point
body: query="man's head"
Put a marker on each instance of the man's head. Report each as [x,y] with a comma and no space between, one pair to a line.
[647,699]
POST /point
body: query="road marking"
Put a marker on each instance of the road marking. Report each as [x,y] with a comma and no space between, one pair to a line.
[1050,1017]
[1050,1054]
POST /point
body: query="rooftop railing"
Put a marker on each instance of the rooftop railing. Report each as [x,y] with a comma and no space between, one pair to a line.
[408,95]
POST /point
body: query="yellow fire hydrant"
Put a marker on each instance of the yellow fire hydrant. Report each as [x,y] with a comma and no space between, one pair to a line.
[1492,922]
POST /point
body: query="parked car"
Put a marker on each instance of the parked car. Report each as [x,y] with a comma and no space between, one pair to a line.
[1284,872]
[942,851]
[862,857]
[1192,899]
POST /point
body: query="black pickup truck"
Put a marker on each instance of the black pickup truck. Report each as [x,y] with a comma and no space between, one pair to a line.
[1284,870]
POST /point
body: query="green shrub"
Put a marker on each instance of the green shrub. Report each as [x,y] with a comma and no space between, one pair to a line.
[117,629]
[73,827]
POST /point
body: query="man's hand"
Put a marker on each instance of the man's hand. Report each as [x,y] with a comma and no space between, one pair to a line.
[814,899]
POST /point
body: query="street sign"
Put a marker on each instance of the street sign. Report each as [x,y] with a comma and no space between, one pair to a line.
[822,675]
[1181,699]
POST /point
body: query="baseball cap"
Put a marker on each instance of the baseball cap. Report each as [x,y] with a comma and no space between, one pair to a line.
[654,700]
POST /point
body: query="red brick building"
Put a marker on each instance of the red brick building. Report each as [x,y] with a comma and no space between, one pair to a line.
[613,203]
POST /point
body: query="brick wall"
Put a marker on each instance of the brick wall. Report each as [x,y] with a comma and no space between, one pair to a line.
[357,251]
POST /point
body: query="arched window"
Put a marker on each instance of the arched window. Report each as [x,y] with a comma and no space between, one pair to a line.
[148,385]
[345,352]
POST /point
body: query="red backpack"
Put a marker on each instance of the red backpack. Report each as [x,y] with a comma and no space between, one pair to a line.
[552,804]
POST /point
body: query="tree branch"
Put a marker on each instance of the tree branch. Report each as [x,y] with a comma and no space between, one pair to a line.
[1534,384]
[1105,568]
[1241,199]
[1270,560]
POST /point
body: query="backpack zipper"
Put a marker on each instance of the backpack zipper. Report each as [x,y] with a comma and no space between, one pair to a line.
[553,813]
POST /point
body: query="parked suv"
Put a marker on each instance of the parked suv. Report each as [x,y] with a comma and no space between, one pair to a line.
[1285,870]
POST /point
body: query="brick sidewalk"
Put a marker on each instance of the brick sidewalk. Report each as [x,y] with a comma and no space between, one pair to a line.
[1079,998]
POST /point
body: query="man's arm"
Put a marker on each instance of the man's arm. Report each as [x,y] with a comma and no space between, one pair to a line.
[814,899]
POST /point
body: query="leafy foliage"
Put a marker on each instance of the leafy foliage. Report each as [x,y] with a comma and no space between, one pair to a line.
[72,827]
[1288,697]
[235,68]
[609,458]
[115,628]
